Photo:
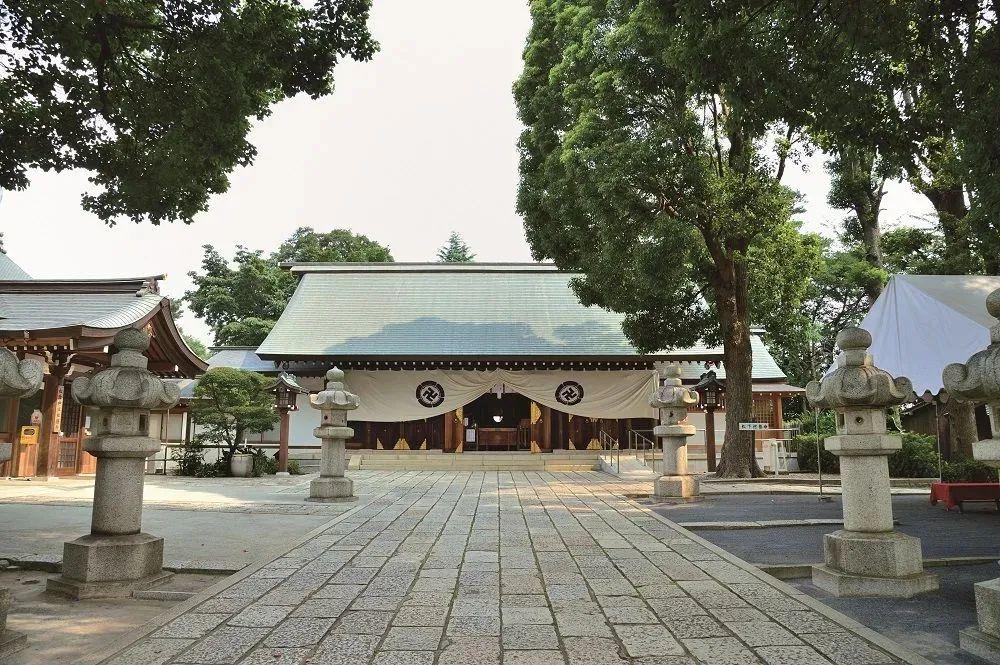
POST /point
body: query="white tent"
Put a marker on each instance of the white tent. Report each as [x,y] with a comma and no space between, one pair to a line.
[921,323]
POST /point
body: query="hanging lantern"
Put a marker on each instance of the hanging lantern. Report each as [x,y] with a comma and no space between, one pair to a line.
[711,391]
[285,391]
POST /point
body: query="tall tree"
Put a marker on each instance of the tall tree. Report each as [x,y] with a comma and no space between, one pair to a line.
[643,168]
[156,99]
[858,184]
[914,81]
[455,250]
[242,300]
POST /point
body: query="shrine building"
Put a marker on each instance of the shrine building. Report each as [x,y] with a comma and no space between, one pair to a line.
[479,357]
[70,325]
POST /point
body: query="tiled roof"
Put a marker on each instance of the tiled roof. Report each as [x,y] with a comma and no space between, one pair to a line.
[461,311]
[239,357]
[10,270]
[42,311]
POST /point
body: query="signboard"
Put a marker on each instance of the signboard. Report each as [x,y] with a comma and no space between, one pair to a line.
[754,427]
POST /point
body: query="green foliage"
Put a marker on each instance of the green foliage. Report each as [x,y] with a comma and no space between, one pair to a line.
[242,300]
[294,468]
[190,458]
[336,246]
[455,251]
[156,100]
[250,331]
[263,464]
[231,403]
[917,458]
[968,471]
[643,170]
[805,447]
[196,345]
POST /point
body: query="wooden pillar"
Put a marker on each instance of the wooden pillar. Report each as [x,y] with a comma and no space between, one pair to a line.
[777,414]
[47,461]
[546,442]
[710,437]
[283,441]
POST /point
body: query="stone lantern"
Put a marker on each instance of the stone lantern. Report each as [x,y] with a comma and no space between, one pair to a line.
[672,400]
[333,404]
[866,557]
[978,380]
[18,378]
[117,558]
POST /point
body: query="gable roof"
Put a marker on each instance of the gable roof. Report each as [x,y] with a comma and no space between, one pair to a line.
[51,306]
[475,311]
[10,270]
[82,317]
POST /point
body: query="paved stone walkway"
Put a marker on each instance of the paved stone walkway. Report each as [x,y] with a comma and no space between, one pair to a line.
[523,568]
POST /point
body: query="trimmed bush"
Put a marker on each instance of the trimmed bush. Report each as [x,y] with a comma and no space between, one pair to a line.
[805,446]
[968,471]
[918,457]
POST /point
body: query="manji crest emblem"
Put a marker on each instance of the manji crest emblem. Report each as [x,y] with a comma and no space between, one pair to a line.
[430,394]
[569,393]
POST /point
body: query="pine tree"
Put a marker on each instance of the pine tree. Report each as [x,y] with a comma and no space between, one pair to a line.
[455,251]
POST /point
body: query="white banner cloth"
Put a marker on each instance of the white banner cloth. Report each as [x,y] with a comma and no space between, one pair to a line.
[390,396]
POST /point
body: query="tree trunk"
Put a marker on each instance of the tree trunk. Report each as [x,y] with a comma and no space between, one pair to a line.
[962,432]
[730,285]
[951,211]
[872,239]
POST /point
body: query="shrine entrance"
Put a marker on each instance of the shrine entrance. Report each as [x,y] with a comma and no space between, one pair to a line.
[498,422]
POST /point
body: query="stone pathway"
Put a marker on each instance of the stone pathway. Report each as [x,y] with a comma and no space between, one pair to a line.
[519,568]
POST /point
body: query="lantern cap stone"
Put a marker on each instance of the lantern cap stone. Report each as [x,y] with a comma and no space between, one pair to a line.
[19,378]
[672,394]
[335,396]
[857,382]
[854,338]
[127,383]
[978,378]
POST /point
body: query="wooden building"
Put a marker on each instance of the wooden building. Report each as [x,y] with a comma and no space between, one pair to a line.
[70,325]
[475,357]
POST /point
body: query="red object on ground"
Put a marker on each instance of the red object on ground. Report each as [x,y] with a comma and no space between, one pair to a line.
[954,494]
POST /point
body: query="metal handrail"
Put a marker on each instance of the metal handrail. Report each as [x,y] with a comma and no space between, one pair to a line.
[608,442]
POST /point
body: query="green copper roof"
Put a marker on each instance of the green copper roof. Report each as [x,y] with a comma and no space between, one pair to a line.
[10,270]
[463,311]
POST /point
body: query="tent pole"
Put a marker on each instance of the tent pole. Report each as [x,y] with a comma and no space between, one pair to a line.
[937,438]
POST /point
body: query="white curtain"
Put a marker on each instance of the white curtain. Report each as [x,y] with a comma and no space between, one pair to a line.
[390,396]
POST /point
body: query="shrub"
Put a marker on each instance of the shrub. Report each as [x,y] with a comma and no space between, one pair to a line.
[295,468]
[917,458]
[805,446]
[968,471]
[189,458]
[263,464]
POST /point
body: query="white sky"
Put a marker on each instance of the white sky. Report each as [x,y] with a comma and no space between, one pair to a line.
[412,145]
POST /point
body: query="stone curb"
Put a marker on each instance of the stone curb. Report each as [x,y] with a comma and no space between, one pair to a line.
[900,483]
[883,642]
[792,571]
[761,524]
[136,634]
[53,564]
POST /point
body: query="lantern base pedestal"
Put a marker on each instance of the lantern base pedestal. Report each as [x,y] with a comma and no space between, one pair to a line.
[96,566]
[677,488]
[886,564]
[330,489]
[978,644]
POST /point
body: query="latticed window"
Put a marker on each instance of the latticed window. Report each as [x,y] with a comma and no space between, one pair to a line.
[763,411]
